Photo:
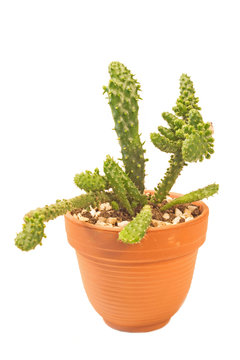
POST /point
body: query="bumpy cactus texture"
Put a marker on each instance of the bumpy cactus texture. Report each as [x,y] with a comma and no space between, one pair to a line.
[126,191]
[123,95]
[187,100]
[89,181]
[176,165]
[133,232]
[33,229]
[196,195]
[32,233]
[188,138]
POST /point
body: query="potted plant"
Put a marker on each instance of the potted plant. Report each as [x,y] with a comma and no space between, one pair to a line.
[136,248]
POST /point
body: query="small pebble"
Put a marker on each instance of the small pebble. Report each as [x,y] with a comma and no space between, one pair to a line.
[189,218]
[111,220]
[101,223]
[82,218]
[158,223]
[178,212]
[166,216]
[187,213]
[93,212]
[176,220]
[192,208]
[123,223]
[105,206]
[102,219]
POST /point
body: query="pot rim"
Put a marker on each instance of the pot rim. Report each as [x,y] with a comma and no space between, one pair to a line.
[204,208]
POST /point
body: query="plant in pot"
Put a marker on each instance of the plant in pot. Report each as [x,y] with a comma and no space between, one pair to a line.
[136,248]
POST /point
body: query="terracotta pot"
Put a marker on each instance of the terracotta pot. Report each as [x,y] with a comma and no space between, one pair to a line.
[138,287]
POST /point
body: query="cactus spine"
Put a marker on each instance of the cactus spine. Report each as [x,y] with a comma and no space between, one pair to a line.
[123,95]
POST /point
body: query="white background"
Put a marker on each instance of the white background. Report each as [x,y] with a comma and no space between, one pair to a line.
[55,122]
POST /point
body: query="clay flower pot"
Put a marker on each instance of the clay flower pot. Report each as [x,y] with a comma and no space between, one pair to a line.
[139,287]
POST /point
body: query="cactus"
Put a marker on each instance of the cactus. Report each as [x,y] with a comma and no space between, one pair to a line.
[125,190]
[89,181]
[176,165]
[196,195]
[187,138]
[32,233]
[136,229]
[123,95]
[187,100]
[33,228]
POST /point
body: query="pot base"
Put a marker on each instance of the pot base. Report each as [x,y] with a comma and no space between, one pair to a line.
[137,329]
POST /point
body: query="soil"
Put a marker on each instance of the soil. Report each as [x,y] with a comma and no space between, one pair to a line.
[105,215]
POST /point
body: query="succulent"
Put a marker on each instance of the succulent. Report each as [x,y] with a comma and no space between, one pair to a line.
[187,138]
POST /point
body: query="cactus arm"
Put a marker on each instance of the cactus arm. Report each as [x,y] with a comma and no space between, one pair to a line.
[187,99]
[136,229]
[193,196]
[31,234]
[123,96]
[176,165]
[198,141]
[33,229]
[61,207]
[170,119]
[168,133]
[164,144]
[189,138]
[89,181]
[122,184]
[114,177]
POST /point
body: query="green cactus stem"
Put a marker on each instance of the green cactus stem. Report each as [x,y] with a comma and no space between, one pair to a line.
[126,191]
[133,232]
[193,196]
[89,181]
[32,233]
[187,99]
[188,138]
[123,95]
[115,205]
[198,141]
[33,229]
[114,177]
[176,165]
[164,144]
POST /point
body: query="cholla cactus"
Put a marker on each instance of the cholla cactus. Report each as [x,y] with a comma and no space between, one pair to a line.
[123,95]
[187,139]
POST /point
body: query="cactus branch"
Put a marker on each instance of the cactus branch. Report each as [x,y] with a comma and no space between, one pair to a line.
[193,196]
[164,144]
[123,96]
[136,229]
[187,99]
[33,229]
[89,181]
[113,173]
[176,165]
[126,191]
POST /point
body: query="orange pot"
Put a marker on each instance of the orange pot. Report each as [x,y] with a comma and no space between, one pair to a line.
[137,287]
